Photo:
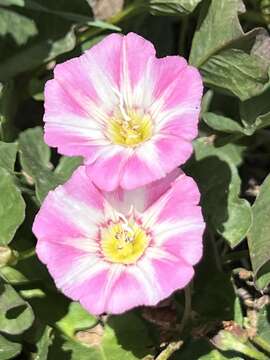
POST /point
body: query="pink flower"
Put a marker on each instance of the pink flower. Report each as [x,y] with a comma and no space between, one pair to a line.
[130,115]
[114,251]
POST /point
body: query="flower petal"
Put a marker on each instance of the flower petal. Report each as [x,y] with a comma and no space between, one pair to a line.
[142,197]
[171,275]
[122,74]
[142,167]
[177,85]
[106,171]
[67,227]
[81,96]
[172,151]
[177,221]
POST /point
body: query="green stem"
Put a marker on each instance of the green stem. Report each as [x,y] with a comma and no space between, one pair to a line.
[169,350]
[254,354]
[26,254]
[187,309]
[129,11]
[261,343]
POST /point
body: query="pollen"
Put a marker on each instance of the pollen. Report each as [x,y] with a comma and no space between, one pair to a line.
[130,128]
[123,242]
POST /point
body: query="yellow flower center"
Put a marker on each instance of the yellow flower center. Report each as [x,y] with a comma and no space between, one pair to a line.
[129,128]
[123,242]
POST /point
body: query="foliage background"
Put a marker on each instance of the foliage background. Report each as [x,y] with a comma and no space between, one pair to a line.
[225,312]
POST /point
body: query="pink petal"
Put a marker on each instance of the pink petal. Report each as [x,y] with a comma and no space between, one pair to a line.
[58,257]
[171,275]
[142,167]
[183,196]
[71,210]
[177,221]
[126,284]
[143,197]
[172,151]
[136,54]
[179,199]
[67,228]
[112,294]
[91,292]
[183,127]
[106,171]
[187,245]
[177,83]
[86,91]
[79,99]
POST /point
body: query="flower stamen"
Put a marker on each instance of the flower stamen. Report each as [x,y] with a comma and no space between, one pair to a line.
[123,241]
[129,128]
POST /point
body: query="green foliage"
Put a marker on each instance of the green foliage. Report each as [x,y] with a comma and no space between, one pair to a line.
[224,313]
[124,337]
[35,159]
[214,169]
[16,315]
[224,52]
[173,7]
[12,207]
[259,236]
[43,344]
[8,349]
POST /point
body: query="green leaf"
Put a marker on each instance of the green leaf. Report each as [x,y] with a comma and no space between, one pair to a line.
[68,317]
[43,344]
[173,7]
[66,167]
[16,315]
[12,207]
[12,2]
[54,35]
[259,236]
[75,319]
[8,153]
[201,350]
[255,112]
[8,349]
[237,72]
[228,341]
[220,184]
[37,53]
[238,313]
[226,56]
[35,157]
[222,123]
[208,39]
[34,152]
[255,115]
[71,16]
[9,100]
[12,276]
[263,324]
[125,337]
[18,26]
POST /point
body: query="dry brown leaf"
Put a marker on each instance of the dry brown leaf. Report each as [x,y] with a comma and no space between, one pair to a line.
[91,337]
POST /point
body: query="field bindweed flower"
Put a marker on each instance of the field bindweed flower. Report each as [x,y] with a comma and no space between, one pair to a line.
[131,115]
[118,250]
